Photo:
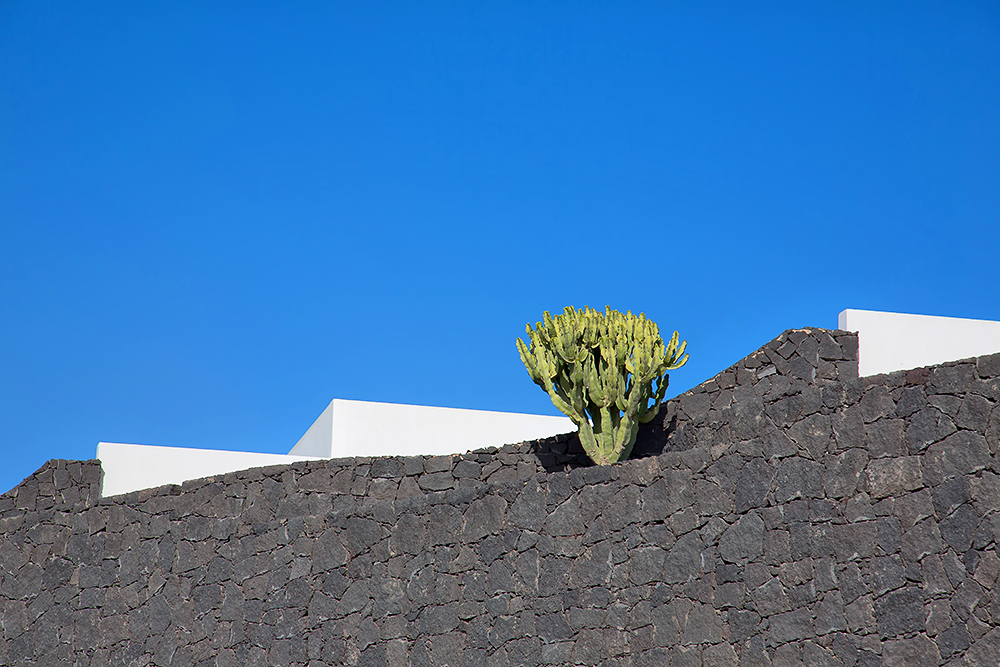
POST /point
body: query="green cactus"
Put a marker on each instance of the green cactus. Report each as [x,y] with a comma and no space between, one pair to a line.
[600,370]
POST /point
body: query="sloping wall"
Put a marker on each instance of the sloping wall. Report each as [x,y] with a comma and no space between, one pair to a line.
[797,515]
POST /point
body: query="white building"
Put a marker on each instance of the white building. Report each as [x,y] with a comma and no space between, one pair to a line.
[887,342]
[345,428]
[890,342]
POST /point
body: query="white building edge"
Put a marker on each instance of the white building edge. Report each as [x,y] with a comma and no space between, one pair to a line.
[887,342]
[890,342]
[345,428]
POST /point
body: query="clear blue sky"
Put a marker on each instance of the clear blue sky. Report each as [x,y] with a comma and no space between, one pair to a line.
[215,218]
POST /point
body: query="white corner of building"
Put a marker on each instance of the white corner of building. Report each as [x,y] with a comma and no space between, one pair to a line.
[890,342]
[842,320]
[318,439]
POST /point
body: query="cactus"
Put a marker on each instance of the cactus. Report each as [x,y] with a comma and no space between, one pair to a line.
[601,370]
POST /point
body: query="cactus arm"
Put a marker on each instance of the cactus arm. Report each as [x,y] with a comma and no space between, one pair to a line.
[589,442]
[629,444]
[661,390]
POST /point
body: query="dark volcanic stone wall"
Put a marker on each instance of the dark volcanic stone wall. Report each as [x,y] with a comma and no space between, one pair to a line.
[796,517]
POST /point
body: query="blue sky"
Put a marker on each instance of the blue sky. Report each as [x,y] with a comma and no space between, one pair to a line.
[215,218]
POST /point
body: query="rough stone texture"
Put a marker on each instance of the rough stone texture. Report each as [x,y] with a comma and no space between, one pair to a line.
[783,513]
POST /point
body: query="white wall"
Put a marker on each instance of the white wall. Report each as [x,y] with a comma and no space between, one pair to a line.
[134,467]
[364,428]
[346,428]
[894,341]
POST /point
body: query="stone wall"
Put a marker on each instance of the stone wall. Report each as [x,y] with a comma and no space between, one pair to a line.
[796,516]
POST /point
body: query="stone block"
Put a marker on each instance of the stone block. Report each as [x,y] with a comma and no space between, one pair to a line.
[987,570]
[934,578]
[917,651]
[670,621]
[854,540]
[913,508]
[483,517]
[900,613]
[938,617]
[684,560]
[859,508]
[844,472]
[951,493]
[985,492]
[883,574]
[565,520]
[790,626]
[848,576]
[622,509]
[770,598]
[798,478]
[893,476]
[953,641]
[922,539]
[988,366]
[646,565]
[801,369]
[436,481]
[696,406]
[743,541]
[961,453]
[951,378]
[958,528]
[668,495]
[926,427]
[911,401]
[974,413]
[830,614]
[813,435]
[776,547]
[704,625]
[795,573]
[876,404]
[528,509]
[860,615]
[815,655]
[433,464]
[848,427]
[753,485]
[984,650]
[829,348]
[467,469]
[719,655]
[885,438]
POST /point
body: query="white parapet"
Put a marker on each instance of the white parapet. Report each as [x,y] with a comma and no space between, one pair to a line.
[346,428]
[134,467]
[890,342]
[365,428]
